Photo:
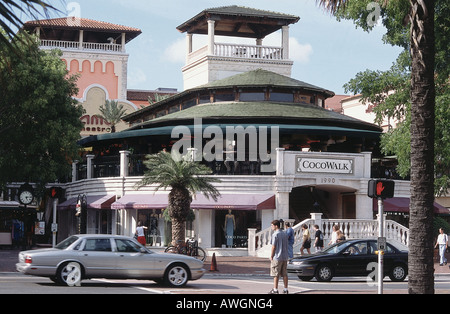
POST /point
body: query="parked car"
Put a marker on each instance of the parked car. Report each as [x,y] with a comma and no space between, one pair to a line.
[107,256]
[350,258]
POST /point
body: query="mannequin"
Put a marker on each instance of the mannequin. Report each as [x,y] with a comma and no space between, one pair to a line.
[230,227]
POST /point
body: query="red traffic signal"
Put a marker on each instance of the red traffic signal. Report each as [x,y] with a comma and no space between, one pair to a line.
[381,189]
[56,192]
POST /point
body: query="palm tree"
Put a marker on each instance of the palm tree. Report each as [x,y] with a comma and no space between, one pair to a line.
[10,21]
[112,113]
[421,18]
[185,178]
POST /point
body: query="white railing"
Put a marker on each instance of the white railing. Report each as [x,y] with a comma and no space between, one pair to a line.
[259,243]
[74,45]
[238,51]
[248,51]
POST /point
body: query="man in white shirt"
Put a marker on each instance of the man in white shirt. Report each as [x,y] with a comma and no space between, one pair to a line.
[442,241]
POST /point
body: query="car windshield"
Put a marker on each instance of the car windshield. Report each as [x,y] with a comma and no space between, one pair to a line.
[66,243]
[336,248]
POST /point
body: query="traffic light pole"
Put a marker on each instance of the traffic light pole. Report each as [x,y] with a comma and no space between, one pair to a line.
[380,252]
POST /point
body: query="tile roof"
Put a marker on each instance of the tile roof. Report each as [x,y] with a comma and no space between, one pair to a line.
[80,23]
[260,77]
[260,22]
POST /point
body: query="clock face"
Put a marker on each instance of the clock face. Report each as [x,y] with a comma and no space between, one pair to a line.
[26,197]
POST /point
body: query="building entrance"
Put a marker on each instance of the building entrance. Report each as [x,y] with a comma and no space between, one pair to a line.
[332,202]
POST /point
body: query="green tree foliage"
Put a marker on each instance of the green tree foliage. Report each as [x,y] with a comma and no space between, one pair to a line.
[389,91]
[39,119]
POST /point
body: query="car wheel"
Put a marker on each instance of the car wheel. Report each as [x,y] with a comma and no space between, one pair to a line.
[176,276]
[398,273]
[70,274]
[324,273]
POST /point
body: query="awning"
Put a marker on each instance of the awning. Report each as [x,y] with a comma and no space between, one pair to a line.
[94,202]
[9,204]
[225,201]
[401,205]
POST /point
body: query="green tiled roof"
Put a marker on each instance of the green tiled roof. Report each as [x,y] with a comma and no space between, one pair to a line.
[281,112]
[260,77]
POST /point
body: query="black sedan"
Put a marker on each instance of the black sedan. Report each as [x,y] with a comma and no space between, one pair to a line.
[350,258]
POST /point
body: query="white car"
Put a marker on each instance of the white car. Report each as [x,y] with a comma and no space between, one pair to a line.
[107,256]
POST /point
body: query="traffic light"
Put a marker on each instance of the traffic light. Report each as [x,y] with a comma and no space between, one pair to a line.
[56,192]
[381,189]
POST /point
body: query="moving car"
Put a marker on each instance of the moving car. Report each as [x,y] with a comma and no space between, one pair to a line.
[107,256]
[350,258]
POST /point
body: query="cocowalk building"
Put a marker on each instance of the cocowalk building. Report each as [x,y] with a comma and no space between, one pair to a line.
[279,154]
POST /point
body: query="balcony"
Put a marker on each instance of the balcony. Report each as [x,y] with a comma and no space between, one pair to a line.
[242,51]
[85,46]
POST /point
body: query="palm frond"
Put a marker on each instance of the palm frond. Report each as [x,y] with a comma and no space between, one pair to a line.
[332,6]
[11,22]
[166,173]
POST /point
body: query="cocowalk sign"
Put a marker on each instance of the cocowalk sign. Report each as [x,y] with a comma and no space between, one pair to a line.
[324,165]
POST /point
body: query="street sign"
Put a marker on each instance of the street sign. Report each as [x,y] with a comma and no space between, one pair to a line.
[381,244]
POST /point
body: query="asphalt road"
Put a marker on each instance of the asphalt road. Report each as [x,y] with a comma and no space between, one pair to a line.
[15,283]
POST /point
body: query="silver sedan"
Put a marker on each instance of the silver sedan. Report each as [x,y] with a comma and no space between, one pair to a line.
[106,256]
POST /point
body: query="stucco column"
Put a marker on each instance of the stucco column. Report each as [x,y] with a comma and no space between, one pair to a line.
[188,46]
[364,206]
[74,171]
[124,163]
[211,33]
[282,203]
[81,39]
[123,42]
[89,167]
[285,41]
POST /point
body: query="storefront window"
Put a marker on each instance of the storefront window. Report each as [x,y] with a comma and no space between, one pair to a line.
[232,227]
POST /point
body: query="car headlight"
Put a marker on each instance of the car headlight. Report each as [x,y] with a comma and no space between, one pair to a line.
[295,263]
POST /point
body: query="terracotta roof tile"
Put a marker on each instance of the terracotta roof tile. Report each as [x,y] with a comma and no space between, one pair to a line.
[81,23]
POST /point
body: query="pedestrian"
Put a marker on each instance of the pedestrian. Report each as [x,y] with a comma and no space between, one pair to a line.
[334,235]
[318,239]
[279,257]
[290,233]
[340,236]
[442,242]
[140,233]
[306,237]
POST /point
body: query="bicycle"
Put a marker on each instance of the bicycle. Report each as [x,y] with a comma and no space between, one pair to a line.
[190,248]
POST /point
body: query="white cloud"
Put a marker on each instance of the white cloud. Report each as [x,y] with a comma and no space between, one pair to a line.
[299,52]
[176,51]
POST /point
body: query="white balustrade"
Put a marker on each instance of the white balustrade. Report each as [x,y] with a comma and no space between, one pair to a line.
[352,229]
[74,45]
[248,51]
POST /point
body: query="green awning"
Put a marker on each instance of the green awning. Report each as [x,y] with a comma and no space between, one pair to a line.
[283,129]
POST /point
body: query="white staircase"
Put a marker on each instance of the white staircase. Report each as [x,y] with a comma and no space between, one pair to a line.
[259,243]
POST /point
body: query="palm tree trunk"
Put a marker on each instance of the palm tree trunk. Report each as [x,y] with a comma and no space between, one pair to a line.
[179,206]
[421,266]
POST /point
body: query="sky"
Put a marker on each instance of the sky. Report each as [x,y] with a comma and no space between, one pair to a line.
[326,53]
